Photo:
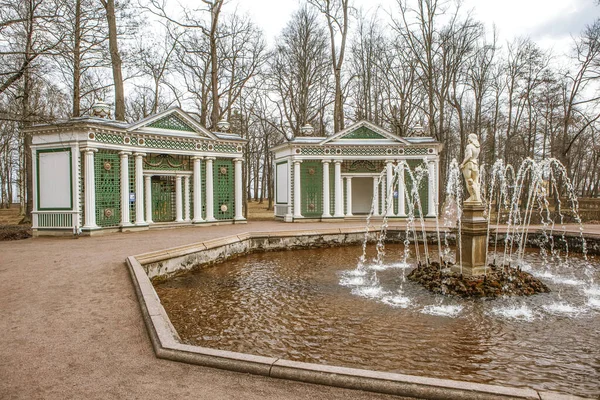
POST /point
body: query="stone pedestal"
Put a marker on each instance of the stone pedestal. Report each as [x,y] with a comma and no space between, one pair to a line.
[473,240]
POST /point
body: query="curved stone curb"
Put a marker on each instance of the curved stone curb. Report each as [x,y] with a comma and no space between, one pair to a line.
[167,344]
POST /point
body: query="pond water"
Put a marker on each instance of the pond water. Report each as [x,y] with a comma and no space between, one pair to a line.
[310,306]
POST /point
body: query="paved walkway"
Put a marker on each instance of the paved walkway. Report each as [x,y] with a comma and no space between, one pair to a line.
[71,327]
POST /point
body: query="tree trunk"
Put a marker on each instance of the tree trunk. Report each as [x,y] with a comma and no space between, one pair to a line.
[77,62]
[115,58]
[214,66]
[25,122]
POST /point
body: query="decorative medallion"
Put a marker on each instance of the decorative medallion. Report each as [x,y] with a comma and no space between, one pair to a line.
[311,171]
[298,151]
[239,149]
[141,141]
[327,151]
[338,151]
[401,151]
[311,206]
[127,140]
[198,146]
[430,151]
[223,170]
[211,147]
[388,151]
[108,212]
[107,166]
[224,207]
[92,136]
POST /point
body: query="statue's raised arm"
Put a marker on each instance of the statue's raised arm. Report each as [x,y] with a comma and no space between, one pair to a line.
[470,169]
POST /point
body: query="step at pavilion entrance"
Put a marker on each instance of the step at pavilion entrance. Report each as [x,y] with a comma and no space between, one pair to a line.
[163,198]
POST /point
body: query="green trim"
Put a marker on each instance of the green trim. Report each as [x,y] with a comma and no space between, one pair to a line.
[172,122]
[363,133]
[276,181]
[37,156]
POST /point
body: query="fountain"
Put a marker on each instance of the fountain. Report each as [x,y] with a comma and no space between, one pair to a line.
[309,307]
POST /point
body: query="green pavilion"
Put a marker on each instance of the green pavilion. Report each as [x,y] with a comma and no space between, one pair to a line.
[338,177]
[93,174]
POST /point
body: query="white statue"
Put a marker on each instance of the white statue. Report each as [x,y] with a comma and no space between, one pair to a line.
[470,169]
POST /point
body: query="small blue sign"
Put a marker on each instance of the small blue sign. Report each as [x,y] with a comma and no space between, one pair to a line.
[395,194]
[131,197]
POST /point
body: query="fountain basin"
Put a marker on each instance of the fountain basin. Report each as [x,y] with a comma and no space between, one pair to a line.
[167,343]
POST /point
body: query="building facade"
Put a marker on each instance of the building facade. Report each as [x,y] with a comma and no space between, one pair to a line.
[340,176]
[92,174]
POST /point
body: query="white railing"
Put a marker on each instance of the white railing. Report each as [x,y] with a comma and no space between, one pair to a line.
[56,220]
[282,209]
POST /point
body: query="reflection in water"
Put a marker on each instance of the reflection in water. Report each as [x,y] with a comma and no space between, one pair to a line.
[312,306]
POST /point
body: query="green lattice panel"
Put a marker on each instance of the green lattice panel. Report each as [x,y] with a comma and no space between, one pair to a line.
[313,151]
[163,198]
[311,182]
[225,148]
[423,187]
[132,188]
[172,122]
[81,192]
[363,133]
[167,162]
[415,151]
[191,197]
[170,144]
[108,198]
[364,151]
[109,138]
[331,188]
[203,186]
[223,189]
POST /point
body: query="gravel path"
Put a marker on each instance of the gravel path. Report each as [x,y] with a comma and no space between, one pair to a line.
[71,327]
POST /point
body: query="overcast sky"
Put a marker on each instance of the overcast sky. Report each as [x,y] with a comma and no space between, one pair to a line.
[548,22]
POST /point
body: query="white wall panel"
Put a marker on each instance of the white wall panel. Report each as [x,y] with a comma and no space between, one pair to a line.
[54,179]
[283,182]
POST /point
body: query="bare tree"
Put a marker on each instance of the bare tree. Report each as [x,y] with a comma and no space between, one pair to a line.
[299,79]
[337,15]
[111,19]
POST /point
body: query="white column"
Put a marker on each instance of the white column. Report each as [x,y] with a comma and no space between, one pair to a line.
[178,200]
[297,194]
[89,189]
[125,188]
[401,190]
[326,207]
[337,188]
[382,196]
[210,213]
[375,196]
[197,190]
[348,196]
[389,190]
[186,196]
[148,198]
[436,186]
[139,188]
[432,188]
[237,178]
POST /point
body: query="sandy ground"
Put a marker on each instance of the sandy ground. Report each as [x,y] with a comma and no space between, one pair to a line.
[71,327]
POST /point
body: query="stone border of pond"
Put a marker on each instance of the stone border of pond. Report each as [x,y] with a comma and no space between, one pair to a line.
[155,266]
